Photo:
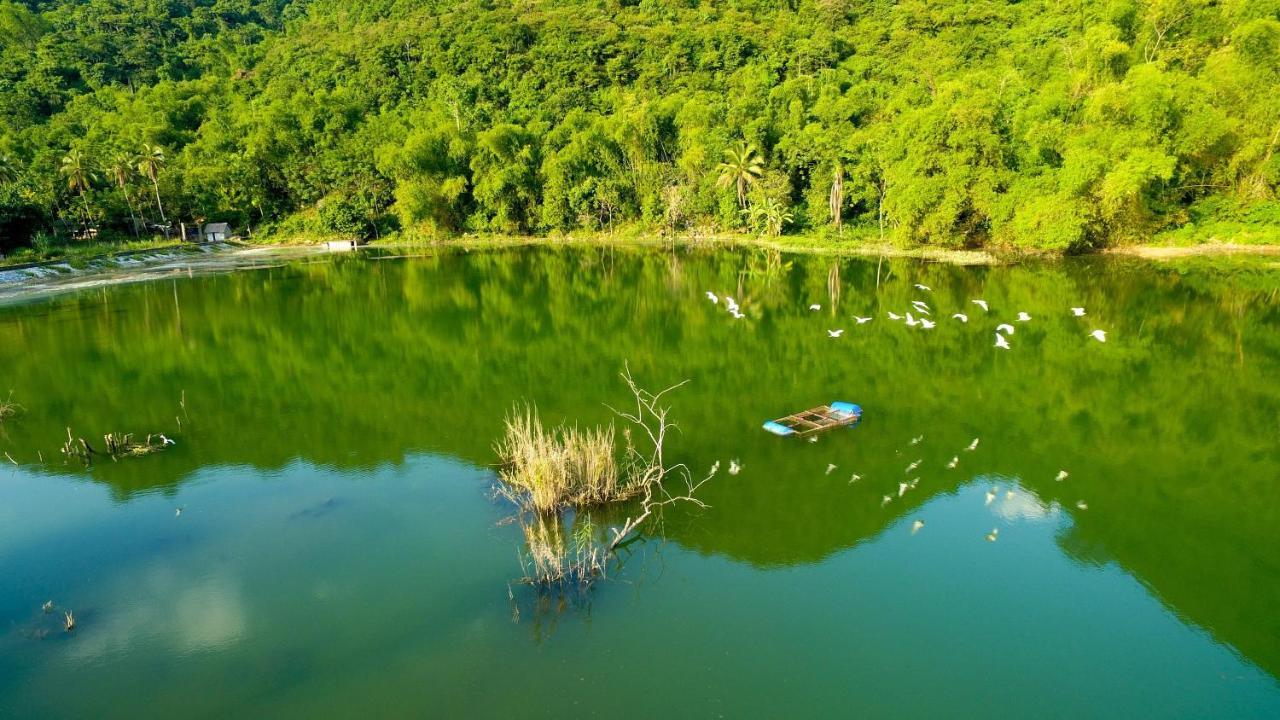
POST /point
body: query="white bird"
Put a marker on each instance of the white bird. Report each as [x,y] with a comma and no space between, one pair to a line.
[854,478]
[894,316]
[995,533]
[913,465]
[712,297]
[167,441]
[914,483]
[911,321]
[47,606]
[714,468]
[177,512]
[1078,312]
[731,306]
[924,309]
[835,333]
[730,301]
[925,288]
[1023,317]
[954,462]
[861,320]
[961,317]
[887,499]
[734,467]
[1062,475]
[973,445]
[1001,342]
[915,526]
[737,315]
[902,489]
[982,304]
[927,324]
[1099,335]
[1005,328]
[830,467]
[815,307]
[1008,495]
[1082,505]
[991,496]
[916,440]
[813,439]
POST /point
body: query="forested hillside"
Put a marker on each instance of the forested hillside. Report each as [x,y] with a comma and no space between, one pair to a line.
[1051,123]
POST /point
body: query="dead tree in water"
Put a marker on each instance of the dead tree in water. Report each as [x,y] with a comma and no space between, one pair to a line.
[117,446]
[651,418]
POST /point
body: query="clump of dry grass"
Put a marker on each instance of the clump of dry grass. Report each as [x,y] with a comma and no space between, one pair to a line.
[549,470]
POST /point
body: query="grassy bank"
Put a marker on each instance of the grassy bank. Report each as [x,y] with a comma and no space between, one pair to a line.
[77,253]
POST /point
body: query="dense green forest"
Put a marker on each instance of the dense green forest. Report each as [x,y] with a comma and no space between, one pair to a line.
[1062,124]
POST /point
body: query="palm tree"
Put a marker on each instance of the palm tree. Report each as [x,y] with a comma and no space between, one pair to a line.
[120,171]
[79,177]
[741,167]
[769,214]
[150,163]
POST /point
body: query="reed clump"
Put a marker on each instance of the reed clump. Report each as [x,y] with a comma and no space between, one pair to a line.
[546,470]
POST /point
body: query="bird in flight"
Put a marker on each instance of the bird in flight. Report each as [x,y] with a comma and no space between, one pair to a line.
[815,307]
[862,320]
[1023,317]
[915,526]
[894,316]
[1078,312]
[835,333]
[1062,475]
[982,304]
[1002,342]
[712,297]
[925,288]
[961,317]
[1005,328]
[1099,335]
[973,445]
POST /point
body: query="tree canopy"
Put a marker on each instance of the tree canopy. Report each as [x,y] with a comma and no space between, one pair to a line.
[1048,123]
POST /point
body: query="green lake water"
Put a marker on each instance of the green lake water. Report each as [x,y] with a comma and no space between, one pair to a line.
[339,552]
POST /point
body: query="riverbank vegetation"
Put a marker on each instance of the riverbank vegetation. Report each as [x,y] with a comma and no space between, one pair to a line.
[1042,124]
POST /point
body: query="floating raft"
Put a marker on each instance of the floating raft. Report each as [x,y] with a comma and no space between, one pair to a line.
[814,420]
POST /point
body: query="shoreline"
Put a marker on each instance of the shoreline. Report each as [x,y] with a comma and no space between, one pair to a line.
[796,244]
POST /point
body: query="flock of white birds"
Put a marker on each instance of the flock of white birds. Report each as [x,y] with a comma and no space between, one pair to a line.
[921,315]
[906,486]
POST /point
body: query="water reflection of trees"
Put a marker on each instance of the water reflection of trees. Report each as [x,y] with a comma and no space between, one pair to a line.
[1168,429]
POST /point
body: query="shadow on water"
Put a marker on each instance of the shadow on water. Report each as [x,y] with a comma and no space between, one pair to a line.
[1169,430]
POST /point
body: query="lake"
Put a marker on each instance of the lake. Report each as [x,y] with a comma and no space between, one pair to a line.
[324,540]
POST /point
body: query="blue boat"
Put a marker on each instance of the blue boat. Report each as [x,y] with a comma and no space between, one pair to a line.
[815,420]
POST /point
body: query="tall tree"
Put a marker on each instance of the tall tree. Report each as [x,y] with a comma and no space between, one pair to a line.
[836,202]
[120,171]
[79,176]
[741,167]
[150,163]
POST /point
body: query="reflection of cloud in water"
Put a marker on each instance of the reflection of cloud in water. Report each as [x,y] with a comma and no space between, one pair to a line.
[1024,505]
[158,610]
